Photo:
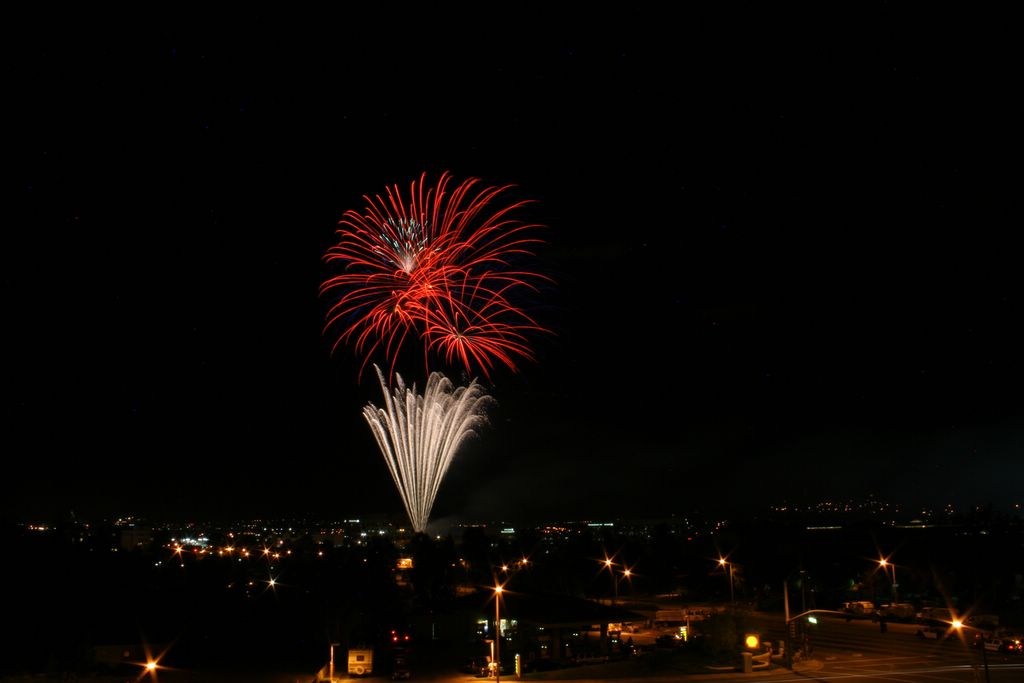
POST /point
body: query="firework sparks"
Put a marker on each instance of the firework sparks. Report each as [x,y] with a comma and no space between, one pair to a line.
[436,265]
[420,434]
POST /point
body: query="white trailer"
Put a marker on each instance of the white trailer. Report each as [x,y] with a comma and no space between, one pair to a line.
[360,662]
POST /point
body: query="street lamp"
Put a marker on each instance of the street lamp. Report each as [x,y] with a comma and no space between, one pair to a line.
[615,581]
[333,645]
[884,564]
[960,626]
[152,663]
[497,632]
[722,562]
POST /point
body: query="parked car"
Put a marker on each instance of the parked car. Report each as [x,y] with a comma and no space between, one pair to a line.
[1004,645]
[932,632]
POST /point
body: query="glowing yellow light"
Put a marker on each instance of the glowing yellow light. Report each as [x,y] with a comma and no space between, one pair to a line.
[721,562]
[498,589]
[752,641]
[957,624]
[151,666]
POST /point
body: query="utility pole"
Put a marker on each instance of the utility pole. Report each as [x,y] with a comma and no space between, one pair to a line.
[789,640]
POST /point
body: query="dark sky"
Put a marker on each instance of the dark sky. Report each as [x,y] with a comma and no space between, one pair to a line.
[784,243]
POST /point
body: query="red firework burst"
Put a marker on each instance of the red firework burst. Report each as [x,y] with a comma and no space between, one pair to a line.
[435,265]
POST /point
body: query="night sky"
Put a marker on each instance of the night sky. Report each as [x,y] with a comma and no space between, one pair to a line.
[784,244]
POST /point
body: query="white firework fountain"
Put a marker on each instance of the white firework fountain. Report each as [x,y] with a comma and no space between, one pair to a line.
[420,434]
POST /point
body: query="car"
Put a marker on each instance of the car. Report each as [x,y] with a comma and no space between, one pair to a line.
[992,644]
[932,633]
[1005,645]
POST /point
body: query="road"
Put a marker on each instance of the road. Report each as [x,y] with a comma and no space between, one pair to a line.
[859,648]
[850,652]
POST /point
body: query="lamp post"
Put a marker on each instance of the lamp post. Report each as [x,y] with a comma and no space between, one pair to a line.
[788,637]
[497,633]
[885,564]
[333,645]
[960,626]
[615,581]
[722,562]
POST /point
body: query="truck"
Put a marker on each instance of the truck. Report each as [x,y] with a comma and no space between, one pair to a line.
[898,611]
[670,617]
[983,621]
[360,661]
[936,616]
[859,608]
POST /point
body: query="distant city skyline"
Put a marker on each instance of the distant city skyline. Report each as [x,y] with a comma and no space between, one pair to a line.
[882,510]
